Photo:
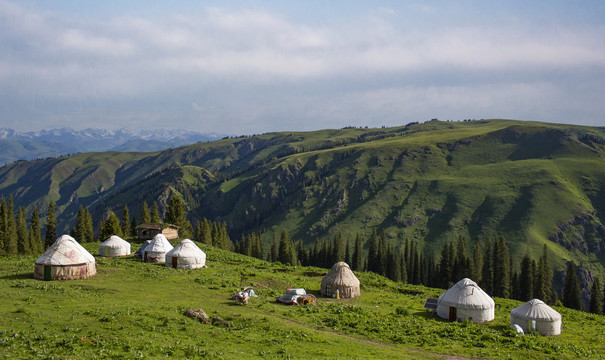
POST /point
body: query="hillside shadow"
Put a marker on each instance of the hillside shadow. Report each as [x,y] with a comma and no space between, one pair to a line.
[518,214]
[438,223]
[480,216]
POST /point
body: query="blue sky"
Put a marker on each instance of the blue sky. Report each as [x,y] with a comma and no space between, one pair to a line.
[244,67]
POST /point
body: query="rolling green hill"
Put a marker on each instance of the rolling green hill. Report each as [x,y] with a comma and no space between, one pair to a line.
[533,183]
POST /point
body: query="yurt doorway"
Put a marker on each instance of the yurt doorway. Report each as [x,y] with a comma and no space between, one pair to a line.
[452,313]
[175,262]
[47,270]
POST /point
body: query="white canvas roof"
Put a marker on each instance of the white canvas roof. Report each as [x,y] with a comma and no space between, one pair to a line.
[159,244]
[116,244]
[65,251]
[535,310]
[466,294]
[188,254]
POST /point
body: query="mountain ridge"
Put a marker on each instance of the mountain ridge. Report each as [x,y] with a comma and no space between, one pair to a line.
[533,183]
[30,145]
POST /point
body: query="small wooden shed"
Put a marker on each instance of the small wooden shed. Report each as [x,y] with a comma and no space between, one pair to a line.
[148,231]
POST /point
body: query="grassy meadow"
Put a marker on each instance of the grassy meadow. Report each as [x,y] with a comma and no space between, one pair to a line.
[135,310]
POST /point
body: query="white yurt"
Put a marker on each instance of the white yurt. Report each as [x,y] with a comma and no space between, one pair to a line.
[535,315]
[65,260]
[157,249]
[186,255]
[139,252]
[114,246]
[465,300]
[342,280]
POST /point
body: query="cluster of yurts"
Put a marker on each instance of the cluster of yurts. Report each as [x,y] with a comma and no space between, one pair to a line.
[66,260]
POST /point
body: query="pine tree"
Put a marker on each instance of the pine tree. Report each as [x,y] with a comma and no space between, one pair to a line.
[258,248]
[274,251]
[145,217]
[302,253]
[205,232]
[35,238]
[477,262]
[78,230]
[125,222]
[215,235]
[339,248]
[133,226]
[287,254]
[572,296]
[382,254]
[526,279]
[373,254]
[543,279]
[422,274]
[110,226]
[176,214]
[416,259]
[51,223]
[445,265]
[501,262]
[10,235]
[3,211]
[516,290]
[224,241]
[357,260]
[603,311]
[596,304]
[487,273]
[431,272]
[394,265]
[89,233]
[347,252]
[316,254]
[462,264]
[23,246]
[403,276]
[155,214]
[3,216]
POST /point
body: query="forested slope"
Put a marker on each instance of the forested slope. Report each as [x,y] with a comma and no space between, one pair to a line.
[533,183]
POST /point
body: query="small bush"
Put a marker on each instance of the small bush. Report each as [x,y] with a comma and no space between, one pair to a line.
[400,310]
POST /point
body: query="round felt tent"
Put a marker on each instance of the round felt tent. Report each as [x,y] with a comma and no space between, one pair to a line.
[114,246]
[465,300]
[186,255]
[65,259]
[157,249]
[535,315]
[342,280]
[139,252]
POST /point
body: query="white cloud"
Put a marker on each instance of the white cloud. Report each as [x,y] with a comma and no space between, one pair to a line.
[260,66]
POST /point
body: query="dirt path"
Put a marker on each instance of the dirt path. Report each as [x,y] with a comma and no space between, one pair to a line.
[378,343]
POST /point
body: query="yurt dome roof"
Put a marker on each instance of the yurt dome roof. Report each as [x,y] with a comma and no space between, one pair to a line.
[341,274]
[186,248]
[467,294]
[114,241]
[535,309]
[65,251]
[159,244]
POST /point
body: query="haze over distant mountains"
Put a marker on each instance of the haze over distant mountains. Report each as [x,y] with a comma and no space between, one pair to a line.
[16,145]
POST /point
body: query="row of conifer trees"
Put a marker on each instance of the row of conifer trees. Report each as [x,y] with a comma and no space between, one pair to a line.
[491,267]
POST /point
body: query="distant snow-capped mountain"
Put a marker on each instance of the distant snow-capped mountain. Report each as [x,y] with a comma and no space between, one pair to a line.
[28,145]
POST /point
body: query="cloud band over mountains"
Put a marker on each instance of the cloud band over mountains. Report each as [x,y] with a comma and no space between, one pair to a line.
[256,69]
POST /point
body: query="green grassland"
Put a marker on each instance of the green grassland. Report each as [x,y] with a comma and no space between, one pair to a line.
[135,310]
[533,183]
